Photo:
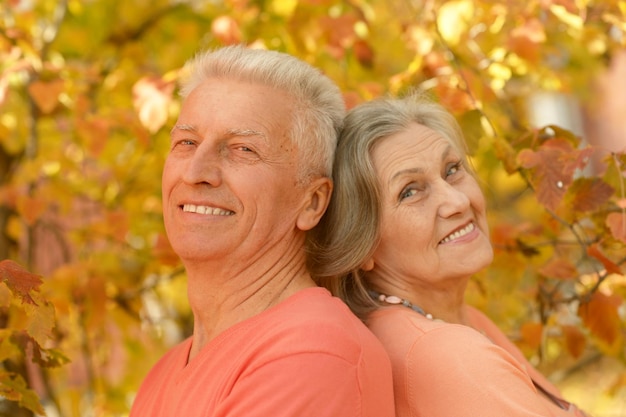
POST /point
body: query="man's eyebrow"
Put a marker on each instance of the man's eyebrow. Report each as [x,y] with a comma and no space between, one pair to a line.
[245,132]
[184,127]
[229,133]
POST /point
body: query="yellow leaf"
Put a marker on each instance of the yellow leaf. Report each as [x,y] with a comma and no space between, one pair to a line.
[13,387]
[453,19]
[40,322]
[8,348]
[5,295]
[284,8]
[572,20]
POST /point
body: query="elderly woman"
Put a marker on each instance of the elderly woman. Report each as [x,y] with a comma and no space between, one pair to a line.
[405,231]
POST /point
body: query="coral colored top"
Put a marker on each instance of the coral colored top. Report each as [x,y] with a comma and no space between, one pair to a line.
[307,356]
[450,370]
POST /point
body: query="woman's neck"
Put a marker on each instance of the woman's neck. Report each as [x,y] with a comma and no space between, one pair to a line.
[439,303]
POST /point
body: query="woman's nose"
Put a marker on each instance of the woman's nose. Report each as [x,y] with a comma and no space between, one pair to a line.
[452,200]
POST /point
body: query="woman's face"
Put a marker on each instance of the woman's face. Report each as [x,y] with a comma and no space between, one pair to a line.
[433,222]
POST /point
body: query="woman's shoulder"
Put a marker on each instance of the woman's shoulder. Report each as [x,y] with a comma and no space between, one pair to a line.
[403,331]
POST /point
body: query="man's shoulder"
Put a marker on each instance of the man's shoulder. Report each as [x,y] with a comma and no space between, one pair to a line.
[315,320]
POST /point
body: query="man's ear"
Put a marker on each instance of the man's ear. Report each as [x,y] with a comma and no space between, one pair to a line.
[316,201]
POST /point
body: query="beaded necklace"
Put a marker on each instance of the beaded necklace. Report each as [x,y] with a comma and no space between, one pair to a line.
[392,299]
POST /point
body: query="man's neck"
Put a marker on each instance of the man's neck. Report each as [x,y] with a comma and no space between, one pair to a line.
[221,298]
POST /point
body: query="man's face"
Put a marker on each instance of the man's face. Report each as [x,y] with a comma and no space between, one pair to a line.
[230,179]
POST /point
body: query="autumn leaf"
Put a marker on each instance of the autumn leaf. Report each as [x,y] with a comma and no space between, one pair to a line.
[616,222]
[559,268]
[601,317]
[19,280]
[226,29]
[363,53]
[151,98]
[94,131]
[14,388]
[594,251]
[553,166]
[532,333]
[46,94]
[41,320]
[575,340]
[163,251]
[589,194]
[31,208]
[506,154]
[525,40]
[453,19]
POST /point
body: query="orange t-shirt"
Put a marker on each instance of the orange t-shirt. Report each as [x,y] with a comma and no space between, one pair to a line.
[450,370]
[307,356]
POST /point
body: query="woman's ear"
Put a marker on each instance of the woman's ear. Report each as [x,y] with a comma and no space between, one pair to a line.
[368,265]
[316,201]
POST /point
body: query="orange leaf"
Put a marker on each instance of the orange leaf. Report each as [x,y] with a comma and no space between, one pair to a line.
[364,53]
[558,268]
[609,265]
[590,193]
[46,94]
[526,40]
[19,280]
[163,251]
[600,315]
[31,208]
[95,132]
[617,224]
[575,340]
[552,167]
[532,334]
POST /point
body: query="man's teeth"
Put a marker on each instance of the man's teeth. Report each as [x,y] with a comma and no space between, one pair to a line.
[192,208]
[458,233]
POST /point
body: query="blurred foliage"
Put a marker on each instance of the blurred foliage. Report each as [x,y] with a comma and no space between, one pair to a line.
[92,295]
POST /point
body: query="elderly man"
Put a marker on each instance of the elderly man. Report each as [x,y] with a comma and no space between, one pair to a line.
[247,175]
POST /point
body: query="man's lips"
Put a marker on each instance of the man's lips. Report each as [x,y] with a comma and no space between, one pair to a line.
[200,209]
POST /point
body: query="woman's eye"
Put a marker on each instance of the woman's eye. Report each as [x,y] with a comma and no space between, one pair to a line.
[454,169]
[407,192]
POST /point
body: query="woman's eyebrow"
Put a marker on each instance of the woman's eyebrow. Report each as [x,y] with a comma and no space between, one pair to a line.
[418,170]
[415,170]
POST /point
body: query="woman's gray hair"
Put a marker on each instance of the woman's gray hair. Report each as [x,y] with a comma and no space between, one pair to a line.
[349,232]
[319,110]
